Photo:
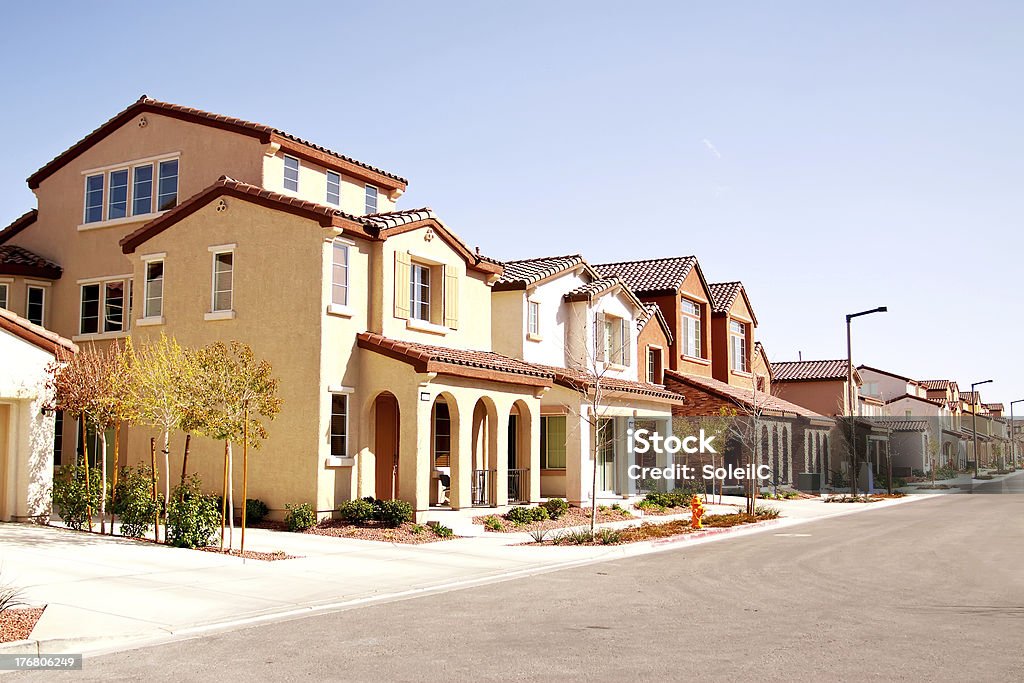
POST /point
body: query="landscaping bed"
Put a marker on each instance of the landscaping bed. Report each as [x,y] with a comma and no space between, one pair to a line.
[941,487]
[649,531]
[570,518]
[847,498]
[407,532]
[17,623]
[251,554]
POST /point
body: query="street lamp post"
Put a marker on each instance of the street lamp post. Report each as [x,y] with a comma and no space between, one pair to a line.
[974,421]
[851,397]
[1013,433]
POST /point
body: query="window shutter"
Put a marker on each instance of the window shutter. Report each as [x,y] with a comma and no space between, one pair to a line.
[451,298]
[627,343]
[599,342]
[403,293]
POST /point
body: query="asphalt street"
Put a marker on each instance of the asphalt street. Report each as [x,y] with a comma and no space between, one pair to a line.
[930,590]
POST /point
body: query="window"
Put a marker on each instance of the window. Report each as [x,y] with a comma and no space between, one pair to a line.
[223,270]
[533,317]
[107,297]
[419,299]
[333,188]
[654,365]
[613,343]
[117,200]
[291,174]
[35,299]
[690,342]
[738,345]
[167,186]
[339,425]
[94,198]
[154,294]
[442,434]
[58,436]
[552,442]
[4,295]
[371,199]
[339,274]
[142,190]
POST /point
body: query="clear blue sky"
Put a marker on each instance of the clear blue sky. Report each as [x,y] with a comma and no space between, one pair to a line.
[833,156]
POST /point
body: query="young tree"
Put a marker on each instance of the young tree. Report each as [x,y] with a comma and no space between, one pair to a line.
[242,393]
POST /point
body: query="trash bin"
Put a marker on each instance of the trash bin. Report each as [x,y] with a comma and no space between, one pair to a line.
[809,481]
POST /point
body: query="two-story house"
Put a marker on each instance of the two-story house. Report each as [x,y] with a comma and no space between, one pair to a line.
[601,343]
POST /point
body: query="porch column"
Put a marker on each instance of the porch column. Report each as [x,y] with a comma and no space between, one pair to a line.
[534,436]
[461,493]
[577,460]
[414,461]
[499,452]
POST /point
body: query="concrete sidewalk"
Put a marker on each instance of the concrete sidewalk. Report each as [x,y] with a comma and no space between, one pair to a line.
[105,593]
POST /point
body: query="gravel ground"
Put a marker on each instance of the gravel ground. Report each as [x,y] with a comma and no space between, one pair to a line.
[251,554]
[574,517]
[17,624]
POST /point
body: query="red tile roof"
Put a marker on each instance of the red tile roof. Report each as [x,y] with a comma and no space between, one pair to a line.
[651,276]
[458,362]
[263,132]
[653,311]
[34,334]
[936,384]
[20,261]
[743,397]
[723,294]
[525,272]
[584,381]
[900,424]
[19,224]
[809,370]
[970,396]
[593,288]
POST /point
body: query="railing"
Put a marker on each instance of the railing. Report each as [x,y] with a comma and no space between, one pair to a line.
[518,486]
[482,487]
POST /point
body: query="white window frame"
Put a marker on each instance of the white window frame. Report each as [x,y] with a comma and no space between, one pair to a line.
[330,426]
[5,297]
[415,291]
[337,245]
[101,316]
[533,318]
[327,196]
[42,304]
[218,313]
[653,351]
[366,199]
[692,324]
[102,202]
[738,361]
[152,187]
[127,193]
[284,174]
[132,167]
[147,294]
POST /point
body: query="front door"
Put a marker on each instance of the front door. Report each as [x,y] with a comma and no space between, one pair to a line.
[386,446]
[606,454]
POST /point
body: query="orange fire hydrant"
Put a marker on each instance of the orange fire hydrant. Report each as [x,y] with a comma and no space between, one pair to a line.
[696,512]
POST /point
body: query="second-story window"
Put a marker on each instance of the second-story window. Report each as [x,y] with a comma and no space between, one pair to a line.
[94,198]
[167,186]
[102,307]
[142,190]
[654,365]
[738,346]
[154,307]
[690,341]
[4,296]
[339,274]
[419,299]
[371,199]
[35,303]
[117,201]
[533,317]
[613,339]
[333,188]
[223,276]
[291,174]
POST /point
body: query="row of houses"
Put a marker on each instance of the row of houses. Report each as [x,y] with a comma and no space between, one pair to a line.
[411,365]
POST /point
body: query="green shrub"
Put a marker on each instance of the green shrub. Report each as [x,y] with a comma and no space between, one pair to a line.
[299,517]
[539,535]
[574,537]
[677,498]
[492,523]
[609,536]
[192,516]
[650,506]
[526,515]
[945,472]
[556,507]
[255,510]
[70,496]
[355,510]
[392,513]
[417,529]
[441,531]
[766,512]
[133,500]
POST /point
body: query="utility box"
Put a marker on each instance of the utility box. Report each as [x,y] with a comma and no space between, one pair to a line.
[809,481]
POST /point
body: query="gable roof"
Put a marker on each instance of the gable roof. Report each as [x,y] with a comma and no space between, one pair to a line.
[901,424]
[810,370]
[723,295]
[970,396]
[652,276]
[993,406]
[931,401]
[909,380]
[935,384]
[20,223]
[583,381]
[651,312]
[34,334]
[523,273]
[739,395]
[20,261]
[265,134]
[377,227]
[485,365]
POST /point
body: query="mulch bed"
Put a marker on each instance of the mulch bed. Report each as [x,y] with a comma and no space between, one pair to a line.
[250,554]
[652,531]
[367,531]
[844,498]
[17,623]
[936,486]
[573,517]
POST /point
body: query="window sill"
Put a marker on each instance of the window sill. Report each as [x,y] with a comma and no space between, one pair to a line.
[534,337]
[742,373]
[141,218]
[337,461]
[152,320]
[99,336]
[695,359]
[340,310]
[616,367]
[220,315]
[424,326]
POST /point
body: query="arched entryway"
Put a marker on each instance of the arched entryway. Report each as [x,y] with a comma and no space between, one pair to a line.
[444,445]
[519,453]
[485,455]
[386,421]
